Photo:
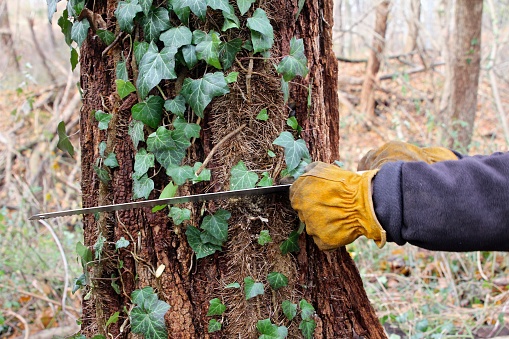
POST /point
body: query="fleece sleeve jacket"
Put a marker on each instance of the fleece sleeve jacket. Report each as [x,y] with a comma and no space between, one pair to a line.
[455,206]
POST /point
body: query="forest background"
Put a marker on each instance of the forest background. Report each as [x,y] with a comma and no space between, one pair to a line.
[416,293]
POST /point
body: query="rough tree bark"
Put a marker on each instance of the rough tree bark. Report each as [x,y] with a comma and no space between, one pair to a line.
[367,102]
[463,62]
[330,281]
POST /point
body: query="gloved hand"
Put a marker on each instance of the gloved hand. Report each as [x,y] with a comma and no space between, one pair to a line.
[397,150]
[336,206]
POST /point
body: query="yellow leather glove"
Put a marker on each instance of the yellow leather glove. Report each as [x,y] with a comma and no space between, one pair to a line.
[336,206]
[397,150]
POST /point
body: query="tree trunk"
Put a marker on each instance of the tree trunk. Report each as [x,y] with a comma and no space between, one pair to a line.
[329,281]
[413,20]
[5,32]
[459,101]
[367,103]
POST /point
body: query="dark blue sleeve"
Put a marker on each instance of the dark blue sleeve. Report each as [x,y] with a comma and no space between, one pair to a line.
[460,205]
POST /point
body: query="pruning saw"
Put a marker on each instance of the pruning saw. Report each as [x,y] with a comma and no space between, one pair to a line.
[168,201]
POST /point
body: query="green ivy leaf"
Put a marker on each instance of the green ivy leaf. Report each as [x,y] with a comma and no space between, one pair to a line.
[106,36]
[216,227]
[177,37]
[142,186]
[264,237]
[198,7]
[219,5]
[307,327]
[143,296]
[168,191]
[216,307]
[294,64]
[74,58]
[262,33]
[233,285]
[121,243]
[214,326]
[293,123]
[150,111]
[113,318]
[177,105]
[244,5]
[79,282]
[142,162]
[232,77]
[306,310]
[182,13]
[125,13]
[169,147]
[180,174]
[140,48]
[285,89]
[204,174]
[190,130]
[263,115]
[271,331]
[295,150]
[99,246]
[265,181]
[241,178]
[145,5]
[135,131]
[102,148]
[147,317]
[74,7]
[65,25]
[124,88]
[199,36]
[121,71]
[271,154]
[201,249]
[277,280]
[289,309]
[63,140]
[111,160]
[208,50]
[154,67]
[154,22]
[189,54]
[102,174]
[230,20]
[297,172]
[103,118]
[228,51]
[79,31]
[252,288]
[52,8]
[179,215]
[200,92]
[291,244]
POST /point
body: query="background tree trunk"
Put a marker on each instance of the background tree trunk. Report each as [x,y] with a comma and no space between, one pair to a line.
[5,32]
[463,60]
[367,104]
[330,281]
[413,20]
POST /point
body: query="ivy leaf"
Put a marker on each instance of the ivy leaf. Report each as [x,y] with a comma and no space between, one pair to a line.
[183,14]
[102,174]
[289,309]
[79,282]
[277,280]
[262,33]
[208,50]
[219,5]
[125,13]
[177,37]
[307,327]
[198,7]
[150,111]
[113,318]
[121,71]
[102,148]
[216,225]
[291,244]
[265,181]
[121,243]
[295,150]
[214,326]
[263,115]
[228,51]
[124,88]
[295,63]
[177,105]
[189,54]
[180,174]
[306,310]
[252,288]
[233,285]
[147,317]
[261,43]
[179,215]
[293,123]
[99,245]
[204,174]
[144,296]
[264,237]
[142,162]
[63,140]
[200,92]
[201,249]
[64,23]
[285,89]
[168,191]
[135,131]
[103,118]
[79,31]
[154,67]
[230,20]
[142,186]
[154,22]
[145,5]
[241,178]
[169,147]
[271,154]
[111,160]
[106,36]
[140,48]
[52,8]
[244,5]
[74,58]
[271,331]
[216,307]
[232,77]
[190,130]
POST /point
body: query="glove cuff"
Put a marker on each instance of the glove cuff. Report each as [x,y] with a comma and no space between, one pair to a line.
[373,228]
